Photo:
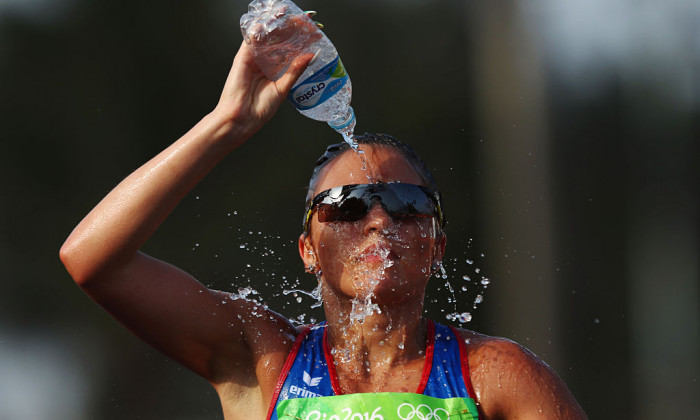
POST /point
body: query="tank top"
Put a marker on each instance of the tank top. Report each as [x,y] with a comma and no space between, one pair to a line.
[309,371]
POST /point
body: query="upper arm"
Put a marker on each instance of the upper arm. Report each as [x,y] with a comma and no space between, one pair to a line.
[512,383]
[203,329]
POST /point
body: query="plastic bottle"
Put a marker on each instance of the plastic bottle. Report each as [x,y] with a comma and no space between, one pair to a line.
[278,31]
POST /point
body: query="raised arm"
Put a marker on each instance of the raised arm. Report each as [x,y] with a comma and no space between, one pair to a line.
[165,306]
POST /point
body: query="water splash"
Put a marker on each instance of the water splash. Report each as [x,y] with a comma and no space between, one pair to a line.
[314,294]
[243,293]
[466,269]
[462,277]
[362,308]
[349,137]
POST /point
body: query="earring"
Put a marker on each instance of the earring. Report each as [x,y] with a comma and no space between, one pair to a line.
[312,268]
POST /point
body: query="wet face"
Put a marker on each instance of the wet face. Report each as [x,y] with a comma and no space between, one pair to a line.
[379,257]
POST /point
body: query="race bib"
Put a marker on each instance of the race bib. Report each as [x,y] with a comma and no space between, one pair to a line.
[377,406]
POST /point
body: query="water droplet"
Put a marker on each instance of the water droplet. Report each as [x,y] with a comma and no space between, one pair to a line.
[465,317]
[485,281]
[462,318]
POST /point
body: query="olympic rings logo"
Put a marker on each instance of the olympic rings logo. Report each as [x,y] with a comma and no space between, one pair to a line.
[422,412]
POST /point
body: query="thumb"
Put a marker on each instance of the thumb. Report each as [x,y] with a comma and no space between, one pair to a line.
[295,70]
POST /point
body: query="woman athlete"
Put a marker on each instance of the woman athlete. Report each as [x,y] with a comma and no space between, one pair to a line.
[372,236]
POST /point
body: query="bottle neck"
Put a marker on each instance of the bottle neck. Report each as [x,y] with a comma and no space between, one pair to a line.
[342,123]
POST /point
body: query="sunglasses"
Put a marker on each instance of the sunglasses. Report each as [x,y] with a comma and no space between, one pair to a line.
[350,203]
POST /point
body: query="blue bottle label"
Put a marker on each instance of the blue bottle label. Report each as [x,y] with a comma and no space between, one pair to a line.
[320,86]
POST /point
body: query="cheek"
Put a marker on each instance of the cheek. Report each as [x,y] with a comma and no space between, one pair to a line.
[419,235]
[336,241]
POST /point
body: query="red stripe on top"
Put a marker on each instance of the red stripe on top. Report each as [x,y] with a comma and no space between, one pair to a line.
[332,373]
[285,370]
[427,365]
[465,363]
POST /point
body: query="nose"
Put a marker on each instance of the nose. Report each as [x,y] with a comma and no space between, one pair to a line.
[376,220]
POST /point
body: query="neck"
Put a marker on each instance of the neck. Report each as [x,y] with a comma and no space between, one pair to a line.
[368,340]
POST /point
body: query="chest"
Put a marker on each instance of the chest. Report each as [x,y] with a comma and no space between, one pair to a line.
[357,378]
[314,370]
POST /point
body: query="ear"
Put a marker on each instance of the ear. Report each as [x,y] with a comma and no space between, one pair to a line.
[306,251]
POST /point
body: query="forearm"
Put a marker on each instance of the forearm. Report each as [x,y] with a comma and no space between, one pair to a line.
[119,225]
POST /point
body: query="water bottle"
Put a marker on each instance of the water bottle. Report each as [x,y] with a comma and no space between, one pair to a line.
[278,31]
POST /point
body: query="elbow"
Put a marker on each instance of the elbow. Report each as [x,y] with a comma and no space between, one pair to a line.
[73,260]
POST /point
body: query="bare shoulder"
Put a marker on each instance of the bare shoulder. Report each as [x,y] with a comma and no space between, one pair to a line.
[487,352]
[268,335]
[248,378]
[512,382]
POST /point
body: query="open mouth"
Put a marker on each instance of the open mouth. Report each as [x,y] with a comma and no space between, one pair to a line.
[378,253]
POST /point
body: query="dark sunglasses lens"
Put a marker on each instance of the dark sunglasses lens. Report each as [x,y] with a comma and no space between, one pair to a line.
[350,209]
[405,200]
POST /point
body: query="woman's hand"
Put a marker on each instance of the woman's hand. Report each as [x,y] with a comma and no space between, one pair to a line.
[250,99]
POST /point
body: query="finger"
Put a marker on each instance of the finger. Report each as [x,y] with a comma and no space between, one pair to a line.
[286,82]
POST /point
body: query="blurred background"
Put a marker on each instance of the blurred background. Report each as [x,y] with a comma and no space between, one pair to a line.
[563,134]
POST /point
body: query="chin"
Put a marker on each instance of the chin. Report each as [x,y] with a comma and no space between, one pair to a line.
[388,290]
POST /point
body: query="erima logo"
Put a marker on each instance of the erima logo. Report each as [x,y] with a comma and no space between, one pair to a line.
[308,380]
[302,393]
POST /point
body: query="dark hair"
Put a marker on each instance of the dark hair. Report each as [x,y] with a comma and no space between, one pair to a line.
[335,150]
[385,140]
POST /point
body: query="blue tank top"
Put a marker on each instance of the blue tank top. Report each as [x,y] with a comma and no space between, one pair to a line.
[310,372]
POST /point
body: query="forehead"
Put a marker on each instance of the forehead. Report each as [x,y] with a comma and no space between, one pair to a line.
[380,164]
